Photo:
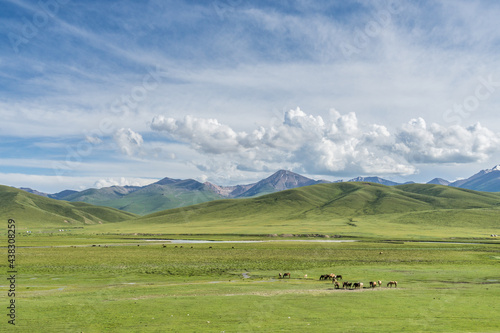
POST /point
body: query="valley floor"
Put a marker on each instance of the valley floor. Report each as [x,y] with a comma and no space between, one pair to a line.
[234,287]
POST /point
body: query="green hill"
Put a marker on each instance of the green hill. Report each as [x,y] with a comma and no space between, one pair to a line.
[347,209]
[34,211]
[162,195]
[338,200]
[336,208]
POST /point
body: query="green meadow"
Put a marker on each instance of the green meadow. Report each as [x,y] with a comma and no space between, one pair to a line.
[84,268]
[234,287]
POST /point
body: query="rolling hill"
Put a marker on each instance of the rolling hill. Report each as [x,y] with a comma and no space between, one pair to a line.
[170,193]
[350,209]
[344,202]
[34,211]
[164,194]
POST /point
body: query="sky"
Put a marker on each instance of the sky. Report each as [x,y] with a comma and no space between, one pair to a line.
[101,93]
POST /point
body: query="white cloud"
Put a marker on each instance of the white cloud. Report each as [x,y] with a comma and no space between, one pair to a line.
[252,60]
[339,145]
[129,141]
[122,181]
[93,139]
[421,143]
[53,184]
[206,135]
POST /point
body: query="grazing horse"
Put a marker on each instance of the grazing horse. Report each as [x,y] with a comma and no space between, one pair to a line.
[373,284]
[379,283]
[286,274]
[357,285]
[346,284]
[324,277]
[339,277]
[332,276]
[280,275]
[392,283]
[337,285]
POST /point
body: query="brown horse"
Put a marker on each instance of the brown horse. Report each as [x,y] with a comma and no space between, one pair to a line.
[324,277]
[286,274]
[346,284]
[357,285]
[339,277]
[379,283]
[392,283]
[373,284]
[332,276]
[337,285]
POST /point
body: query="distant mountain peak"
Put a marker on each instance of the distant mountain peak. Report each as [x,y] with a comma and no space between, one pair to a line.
[278,181]
[29,190]
[374,180]
[439,181]
[487,180]
[495,168]
[166,181]
[285,175]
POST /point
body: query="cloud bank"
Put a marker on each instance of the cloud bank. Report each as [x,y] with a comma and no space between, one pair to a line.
[339,145]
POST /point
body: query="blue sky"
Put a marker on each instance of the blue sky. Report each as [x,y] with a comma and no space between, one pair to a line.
[125,92]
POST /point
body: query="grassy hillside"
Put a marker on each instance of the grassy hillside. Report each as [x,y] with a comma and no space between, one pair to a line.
[356,209]
[156,198]
[152,198]
[33,211]
[337,200]
[340,208]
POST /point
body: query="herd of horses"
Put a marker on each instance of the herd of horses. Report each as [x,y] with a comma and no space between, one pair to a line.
[284,275]
[345,284]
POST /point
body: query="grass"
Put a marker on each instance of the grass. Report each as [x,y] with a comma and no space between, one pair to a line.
[346,209]
[200,287]
[413,211]
[96,277]
[37,212]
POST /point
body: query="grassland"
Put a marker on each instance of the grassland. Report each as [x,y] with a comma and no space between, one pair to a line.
[110,276]
[346,209]
[201,287]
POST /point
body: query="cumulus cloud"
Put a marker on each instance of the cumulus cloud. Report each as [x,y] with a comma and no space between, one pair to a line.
[421,143]
[128,141]
[107,182]
[206,135]
[339,145]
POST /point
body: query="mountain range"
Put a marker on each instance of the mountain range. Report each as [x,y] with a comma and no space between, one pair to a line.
[170,193]
[336,206]
[346,208]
